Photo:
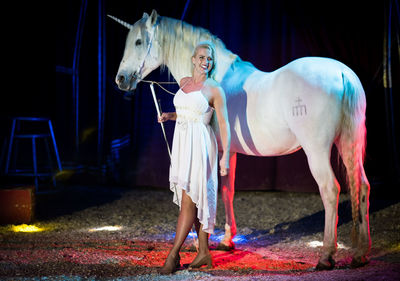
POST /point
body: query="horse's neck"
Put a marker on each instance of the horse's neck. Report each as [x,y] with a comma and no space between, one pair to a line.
[225,59]
[179,61]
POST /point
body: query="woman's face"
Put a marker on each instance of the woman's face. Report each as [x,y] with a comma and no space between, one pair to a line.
[203,61]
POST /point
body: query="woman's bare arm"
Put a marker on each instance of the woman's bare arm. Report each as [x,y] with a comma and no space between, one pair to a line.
[219,103]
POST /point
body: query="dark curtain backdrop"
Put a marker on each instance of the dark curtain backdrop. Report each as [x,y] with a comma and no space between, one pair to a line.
[268,34]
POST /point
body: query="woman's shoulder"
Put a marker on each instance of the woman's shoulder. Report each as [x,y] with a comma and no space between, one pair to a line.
[213,86]
[212,83]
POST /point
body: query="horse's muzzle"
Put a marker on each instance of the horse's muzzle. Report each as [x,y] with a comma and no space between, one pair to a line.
[126,82]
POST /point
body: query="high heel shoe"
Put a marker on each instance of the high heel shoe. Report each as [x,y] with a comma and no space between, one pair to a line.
[170,266]
[206,260]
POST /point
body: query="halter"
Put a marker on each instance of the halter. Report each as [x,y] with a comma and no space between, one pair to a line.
[139,70]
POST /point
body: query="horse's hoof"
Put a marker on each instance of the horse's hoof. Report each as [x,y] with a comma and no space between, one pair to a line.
[359,261]
[325,264]
[223,247]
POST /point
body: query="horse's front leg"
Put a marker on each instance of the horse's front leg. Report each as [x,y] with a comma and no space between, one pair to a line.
[228,192]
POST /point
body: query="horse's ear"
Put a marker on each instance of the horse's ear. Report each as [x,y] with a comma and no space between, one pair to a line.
[145,15]
[152,19]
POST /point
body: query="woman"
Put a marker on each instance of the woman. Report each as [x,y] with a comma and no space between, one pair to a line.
[193,171]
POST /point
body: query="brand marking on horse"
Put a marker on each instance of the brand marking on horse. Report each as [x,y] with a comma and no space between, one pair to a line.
[299,109]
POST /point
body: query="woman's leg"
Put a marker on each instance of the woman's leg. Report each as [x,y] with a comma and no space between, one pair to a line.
[203,256]
[186,219]
[197,225]
[203,242]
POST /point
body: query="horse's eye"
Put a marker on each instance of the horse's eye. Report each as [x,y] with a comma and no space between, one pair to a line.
[138,42]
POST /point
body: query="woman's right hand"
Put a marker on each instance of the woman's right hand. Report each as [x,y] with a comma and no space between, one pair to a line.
[166,116]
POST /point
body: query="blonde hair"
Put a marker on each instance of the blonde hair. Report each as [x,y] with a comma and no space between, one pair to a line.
[207,45]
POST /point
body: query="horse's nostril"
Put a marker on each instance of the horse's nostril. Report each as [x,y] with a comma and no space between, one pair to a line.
[121,78]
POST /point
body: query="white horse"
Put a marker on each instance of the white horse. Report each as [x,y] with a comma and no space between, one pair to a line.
[310,103]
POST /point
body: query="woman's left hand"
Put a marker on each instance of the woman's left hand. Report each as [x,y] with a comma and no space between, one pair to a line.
[224,167]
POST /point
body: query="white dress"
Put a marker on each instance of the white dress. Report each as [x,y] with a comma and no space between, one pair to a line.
[194,156]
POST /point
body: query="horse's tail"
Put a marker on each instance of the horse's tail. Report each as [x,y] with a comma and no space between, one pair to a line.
[352,139]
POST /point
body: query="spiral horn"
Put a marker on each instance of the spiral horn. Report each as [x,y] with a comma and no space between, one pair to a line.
[127,25]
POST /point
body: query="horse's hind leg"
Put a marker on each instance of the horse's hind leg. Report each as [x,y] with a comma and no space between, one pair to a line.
[359,189]
[364,239]
[228,192]
[321,169]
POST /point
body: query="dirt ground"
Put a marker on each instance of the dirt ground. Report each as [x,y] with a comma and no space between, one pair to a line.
[279,238]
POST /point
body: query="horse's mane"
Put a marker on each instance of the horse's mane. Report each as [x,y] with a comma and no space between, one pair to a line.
[179,38]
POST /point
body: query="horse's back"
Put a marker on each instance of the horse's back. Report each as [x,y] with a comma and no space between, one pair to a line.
[315,72]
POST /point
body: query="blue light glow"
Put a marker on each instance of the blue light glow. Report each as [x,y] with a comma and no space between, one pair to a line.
[238,239]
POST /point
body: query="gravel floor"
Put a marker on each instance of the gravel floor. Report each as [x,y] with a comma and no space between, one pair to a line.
[275,231]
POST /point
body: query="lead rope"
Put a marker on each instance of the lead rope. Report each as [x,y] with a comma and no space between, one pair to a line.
[159,85]
[165,136]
